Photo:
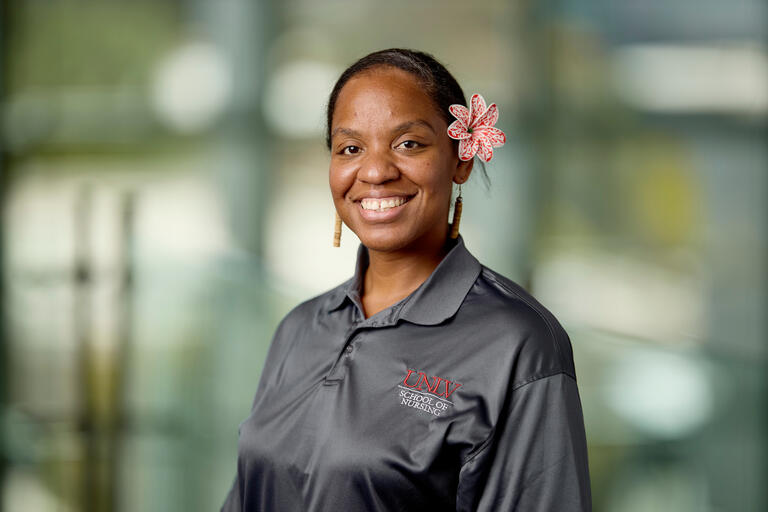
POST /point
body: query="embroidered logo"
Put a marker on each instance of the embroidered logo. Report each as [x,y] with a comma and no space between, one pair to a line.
[429,394]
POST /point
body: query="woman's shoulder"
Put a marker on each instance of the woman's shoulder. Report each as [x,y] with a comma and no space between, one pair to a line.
[512,299]
[525,326]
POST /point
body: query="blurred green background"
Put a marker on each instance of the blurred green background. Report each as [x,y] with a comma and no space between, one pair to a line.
[165,202]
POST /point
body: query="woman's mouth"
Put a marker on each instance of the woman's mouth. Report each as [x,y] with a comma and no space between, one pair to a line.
[385,208]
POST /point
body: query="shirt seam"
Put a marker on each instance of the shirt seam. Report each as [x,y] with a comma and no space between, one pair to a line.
[534,308]
[486,442]
[542,375]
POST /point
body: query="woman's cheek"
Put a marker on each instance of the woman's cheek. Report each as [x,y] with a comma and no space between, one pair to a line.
[340,182]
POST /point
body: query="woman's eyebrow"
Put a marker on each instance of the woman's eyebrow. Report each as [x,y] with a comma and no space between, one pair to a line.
[401,127]
[346,131]
[408,124]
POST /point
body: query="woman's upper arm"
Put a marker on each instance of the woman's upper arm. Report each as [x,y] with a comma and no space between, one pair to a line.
[536,458]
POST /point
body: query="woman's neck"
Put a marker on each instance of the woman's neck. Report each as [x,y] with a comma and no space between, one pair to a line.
[393,275]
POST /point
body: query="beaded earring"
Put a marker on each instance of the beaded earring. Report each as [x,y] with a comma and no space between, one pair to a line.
[456,215]
[337,231]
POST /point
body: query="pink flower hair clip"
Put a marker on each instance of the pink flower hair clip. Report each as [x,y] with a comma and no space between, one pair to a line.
[475,130]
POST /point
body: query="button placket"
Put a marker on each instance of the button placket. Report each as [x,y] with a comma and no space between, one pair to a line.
[338,370]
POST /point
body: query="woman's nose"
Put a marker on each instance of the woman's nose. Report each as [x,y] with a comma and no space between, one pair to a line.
[378,166]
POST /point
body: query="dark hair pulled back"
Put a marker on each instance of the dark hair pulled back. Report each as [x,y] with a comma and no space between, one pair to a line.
[439,84]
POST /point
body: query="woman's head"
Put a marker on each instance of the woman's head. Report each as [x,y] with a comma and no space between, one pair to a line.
[436,80]
[387,122]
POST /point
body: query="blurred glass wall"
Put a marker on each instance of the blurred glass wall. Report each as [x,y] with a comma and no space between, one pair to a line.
[165,201]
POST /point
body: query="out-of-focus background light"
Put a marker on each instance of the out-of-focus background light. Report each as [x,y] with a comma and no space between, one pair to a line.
[294,92]
[661,395]
[165,202]
[724,78]
[192,86]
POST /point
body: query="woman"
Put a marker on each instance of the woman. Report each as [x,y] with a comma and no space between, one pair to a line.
[427,381]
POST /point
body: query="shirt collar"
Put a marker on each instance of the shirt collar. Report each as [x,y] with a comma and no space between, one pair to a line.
[435,300]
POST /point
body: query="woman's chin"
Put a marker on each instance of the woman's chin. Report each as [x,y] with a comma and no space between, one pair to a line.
[383,239]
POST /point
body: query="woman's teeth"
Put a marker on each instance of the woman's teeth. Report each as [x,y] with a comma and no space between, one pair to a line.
[380,205]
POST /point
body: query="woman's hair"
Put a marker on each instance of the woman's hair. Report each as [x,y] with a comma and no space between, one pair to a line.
[437,81]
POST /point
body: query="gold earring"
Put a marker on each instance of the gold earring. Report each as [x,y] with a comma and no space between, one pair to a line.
[456,215]
[337,231]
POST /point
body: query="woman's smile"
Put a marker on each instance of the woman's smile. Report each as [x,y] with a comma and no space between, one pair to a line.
[373,209]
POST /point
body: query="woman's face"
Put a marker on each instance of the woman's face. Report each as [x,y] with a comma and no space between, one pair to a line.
[388,141]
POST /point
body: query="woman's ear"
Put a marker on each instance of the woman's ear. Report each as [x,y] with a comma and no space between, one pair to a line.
[463,170]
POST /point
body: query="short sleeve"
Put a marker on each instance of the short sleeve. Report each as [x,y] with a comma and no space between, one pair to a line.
[536,458]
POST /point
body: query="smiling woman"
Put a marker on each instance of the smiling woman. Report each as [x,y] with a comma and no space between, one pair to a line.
[427,381]
[389,141]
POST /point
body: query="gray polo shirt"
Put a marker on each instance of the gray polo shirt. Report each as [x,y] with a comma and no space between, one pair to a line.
[461,396]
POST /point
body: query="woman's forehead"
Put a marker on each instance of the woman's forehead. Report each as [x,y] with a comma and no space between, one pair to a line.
[385,94]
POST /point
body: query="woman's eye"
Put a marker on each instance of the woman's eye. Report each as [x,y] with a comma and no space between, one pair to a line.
[344,151]
[413,144]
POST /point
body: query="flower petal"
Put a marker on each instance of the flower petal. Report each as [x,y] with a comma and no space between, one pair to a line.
[477,109]
[460,112]
[468,148]
[490,117]
[485,149]
[494,136]
[458,130]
